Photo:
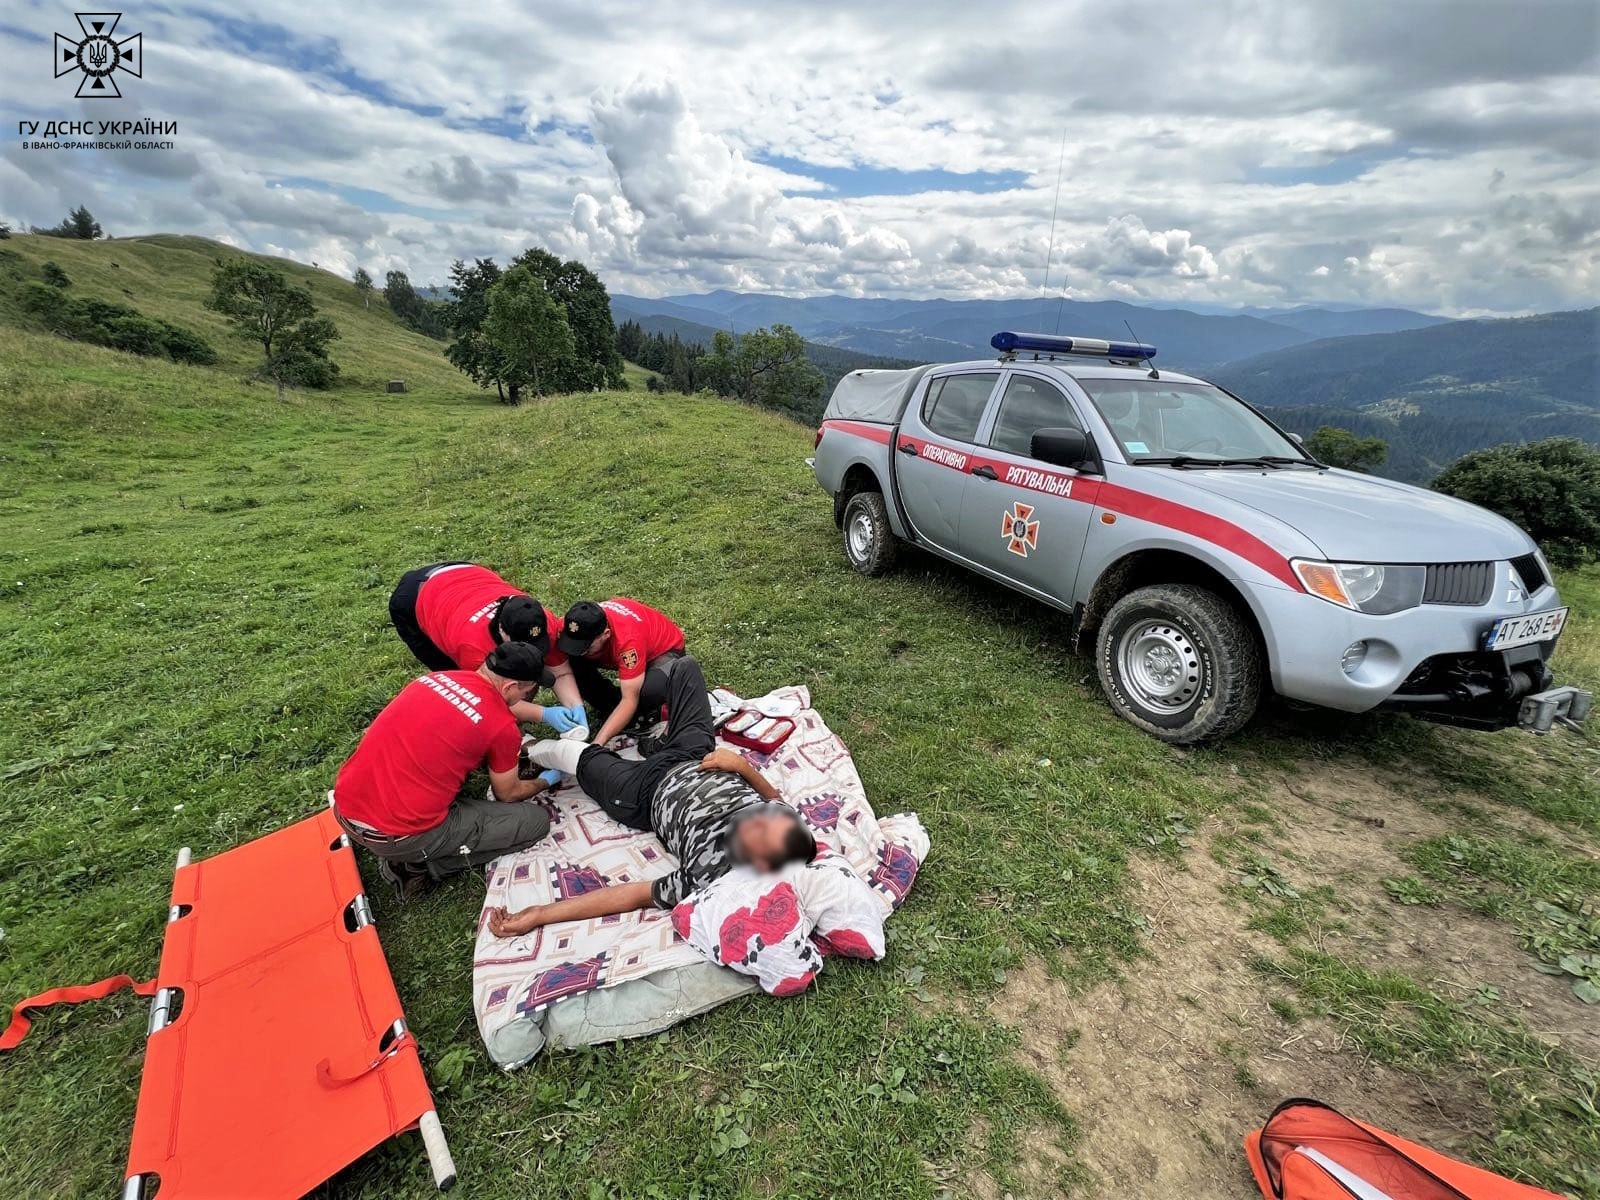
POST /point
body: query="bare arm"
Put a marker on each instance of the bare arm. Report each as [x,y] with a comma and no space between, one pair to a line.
[566,685]
[623,713]
[509,787]
[527,710]
[722,759]
[602,902]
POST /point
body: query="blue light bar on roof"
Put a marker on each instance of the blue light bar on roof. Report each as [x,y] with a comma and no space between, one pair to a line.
[1045,343]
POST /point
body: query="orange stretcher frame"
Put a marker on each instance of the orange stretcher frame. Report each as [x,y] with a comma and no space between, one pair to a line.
[278,1052]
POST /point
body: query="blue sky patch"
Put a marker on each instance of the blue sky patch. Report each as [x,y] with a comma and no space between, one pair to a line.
[886,181]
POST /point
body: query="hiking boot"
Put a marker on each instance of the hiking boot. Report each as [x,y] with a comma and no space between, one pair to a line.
[409,882]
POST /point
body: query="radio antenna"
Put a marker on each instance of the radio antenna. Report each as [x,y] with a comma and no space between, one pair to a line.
[1061,161]
[1154,374]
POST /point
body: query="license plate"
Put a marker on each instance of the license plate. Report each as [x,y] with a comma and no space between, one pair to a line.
[1530,627]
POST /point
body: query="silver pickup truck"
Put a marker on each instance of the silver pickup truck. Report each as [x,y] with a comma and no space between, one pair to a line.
[1197,547]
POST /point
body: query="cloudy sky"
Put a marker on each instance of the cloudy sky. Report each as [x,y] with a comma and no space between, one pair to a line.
[1438,154]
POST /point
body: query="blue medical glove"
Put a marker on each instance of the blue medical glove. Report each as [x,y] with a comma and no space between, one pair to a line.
[552,777]
[578,715]
[561,719]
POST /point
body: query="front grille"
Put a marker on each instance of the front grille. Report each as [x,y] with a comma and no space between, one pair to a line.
[1458,583]
[1531,572]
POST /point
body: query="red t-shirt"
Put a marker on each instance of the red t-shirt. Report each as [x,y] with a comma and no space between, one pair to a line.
[415,756]
[454,609]
[639,634]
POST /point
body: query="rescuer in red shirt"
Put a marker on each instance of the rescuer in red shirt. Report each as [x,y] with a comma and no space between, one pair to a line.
[640,644]
[452,614]
[397,794]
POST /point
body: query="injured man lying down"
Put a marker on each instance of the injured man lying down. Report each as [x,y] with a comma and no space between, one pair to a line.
[710,808]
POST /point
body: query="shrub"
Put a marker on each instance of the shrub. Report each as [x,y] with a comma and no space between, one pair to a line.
[44,301]
[1550,488]
[54,275]
[137,335]
[185,345]
[300,368]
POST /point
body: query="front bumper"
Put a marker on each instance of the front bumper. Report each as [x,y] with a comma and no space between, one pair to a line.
[1427,661]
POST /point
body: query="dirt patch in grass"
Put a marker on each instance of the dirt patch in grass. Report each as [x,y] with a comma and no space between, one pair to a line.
[1167,1070]
[1344,830]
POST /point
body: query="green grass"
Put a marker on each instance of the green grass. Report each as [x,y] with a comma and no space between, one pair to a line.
[193,581]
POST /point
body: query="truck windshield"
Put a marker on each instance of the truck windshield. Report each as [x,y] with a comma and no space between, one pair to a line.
[1186,424]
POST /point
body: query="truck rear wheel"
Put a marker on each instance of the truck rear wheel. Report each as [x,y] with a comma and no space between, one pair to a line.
[869,543]
[1180,662]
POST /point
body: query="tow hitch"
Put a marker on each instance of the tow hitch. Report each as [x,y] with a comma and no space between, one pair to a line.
[1568,705]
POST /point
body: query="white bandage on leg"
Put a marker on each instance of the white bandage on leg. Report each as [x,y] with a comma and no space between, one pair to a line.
[563,756]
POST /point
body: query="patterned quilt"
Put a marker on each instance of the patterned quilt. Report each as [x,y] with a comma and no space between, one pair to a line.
[519,979]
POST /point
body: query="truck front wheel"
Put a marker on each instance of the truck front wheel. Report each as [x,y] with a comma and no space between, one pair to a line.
[869,543]
[1180,662]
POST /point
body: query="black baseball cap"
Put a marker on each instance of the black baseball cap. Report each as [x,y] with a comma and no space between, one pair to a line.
[584,622]
[517,660]
[521,619]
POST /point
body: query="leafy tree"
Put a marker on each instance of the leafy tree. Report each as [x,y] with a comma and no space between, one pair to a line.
[79,223]
[54,275]
[5,231]
[765,367]
[472,352]
[363,282]
[265,307]
[528,328]
[595,362]
[1340,448]
[1551,488]
[426,317]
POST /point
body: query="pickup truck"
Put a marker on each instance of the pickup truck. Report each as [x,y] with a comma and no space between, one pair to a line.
[1195,546]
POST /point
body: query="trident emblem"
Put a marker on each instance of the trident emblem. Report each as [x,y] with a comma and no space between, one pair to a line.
[98,55]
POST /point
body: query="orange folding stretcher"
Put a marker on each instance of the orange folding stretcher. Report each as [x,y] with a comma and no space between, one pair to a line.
[278,1052]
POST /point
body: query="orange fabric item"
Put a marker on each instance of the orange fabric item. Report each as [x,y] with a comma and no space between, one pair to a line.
[1309,1151]
[281,1066]
[21,1022]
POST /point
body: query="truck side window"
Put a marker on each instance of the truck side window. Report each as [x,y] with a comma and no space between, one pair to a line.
[955,405]
[1029,405]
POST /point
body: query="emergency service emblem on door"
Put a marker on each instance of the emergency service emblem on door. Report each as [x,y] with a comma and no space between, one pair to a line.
[1020,530]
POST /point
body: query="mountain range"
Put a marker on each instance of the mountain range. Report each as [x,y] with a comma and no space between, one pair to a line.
[952,330]
[1432,387]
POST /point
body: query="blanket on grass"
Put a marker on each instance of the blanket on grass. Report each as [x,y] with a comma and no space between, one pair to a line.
[632,974]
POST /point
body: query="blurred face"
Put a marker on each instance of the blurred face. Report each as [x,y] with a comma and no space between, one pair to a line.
[759,839]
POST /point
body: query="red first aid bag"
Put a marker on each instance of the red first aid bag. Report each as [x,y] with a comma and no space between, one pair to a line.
[1309,1151]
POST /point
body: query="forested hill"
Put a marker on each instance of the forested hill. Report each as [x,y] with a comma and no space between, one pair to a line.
[1434,394]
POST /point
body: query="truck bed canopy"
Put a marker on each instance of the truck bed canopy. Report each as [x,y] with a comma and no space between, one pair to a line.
[869,395]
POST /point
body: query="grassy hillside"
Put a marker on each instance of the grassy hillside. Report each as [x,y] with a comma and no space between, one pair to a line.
[1436,393]
[193,580]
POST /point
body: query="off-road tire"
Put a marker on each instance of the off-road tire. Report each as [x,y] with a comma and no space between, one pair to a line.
[870,546]
[1212,647]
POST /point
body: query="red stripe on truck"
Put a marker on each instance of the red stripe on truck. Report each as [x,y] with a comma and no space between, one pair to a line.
[1207,527]
[873,433]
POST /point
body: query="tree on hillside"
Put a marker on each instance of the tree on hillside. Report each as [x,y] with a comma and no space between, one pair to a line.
[1551,488]
[79,223]
[5,231]
[265,307]
[363,282]
[472,352]
[425,316]
[595,362]
[528,328]
[765,367]
[1340,448]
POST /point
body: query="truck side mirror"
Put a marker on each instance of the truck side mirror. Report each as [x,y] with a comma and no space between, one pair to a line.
[1061,447]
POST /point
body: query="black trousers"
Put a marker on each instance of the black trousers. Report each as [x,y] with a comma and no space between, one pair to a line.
[403,613]
[624,787]
[601,695]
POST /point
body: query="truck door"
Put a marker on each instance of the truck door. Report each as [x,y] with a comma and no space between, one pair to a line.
[1020,518]
[933,449]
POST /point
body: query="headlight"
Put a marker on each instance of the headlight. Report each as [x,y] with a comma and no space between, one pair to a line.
[1373,588]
